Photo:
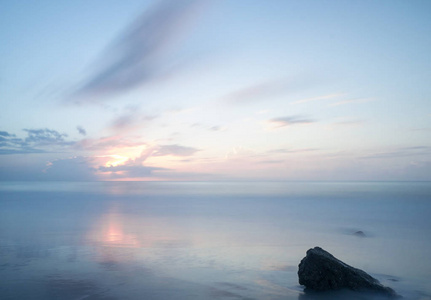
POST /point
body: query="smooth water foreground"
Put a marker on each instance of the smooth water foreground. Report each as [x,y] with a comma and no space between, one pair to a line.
[167,240]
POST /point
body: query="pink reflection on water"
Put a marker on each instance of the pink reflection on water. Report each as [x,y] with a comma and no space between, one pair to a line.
[110,231]
[115,229]
[115,236]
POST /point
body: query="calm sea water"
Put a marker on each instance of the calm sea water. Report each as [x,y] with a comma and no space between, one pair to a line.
[170,240]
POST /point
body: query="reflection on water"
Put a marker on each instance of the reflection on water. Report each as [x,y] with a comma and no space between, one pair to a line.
[109,231]
[133,229]
[163,241]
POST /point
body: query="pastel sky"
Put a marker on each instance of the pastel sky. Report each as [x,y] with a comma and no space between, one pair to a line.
[215,90]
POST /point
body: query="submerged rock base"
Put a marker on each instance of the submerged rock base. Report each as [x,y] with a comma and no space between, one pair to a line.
[321,271]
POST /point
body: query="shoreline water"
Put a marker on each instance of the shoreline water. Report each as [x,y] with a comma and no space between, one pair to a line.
[207,240]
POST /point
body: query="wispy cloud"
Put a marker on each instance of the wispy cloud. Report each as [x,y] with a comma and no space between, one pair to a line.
[352,101]
[109,142]
[267,89]
[345,122]
[288,151]
[129,120]
[349,123]
[208,127]
[288,121]
[256,92]
[271,161]
[334,96]
[401,152]
[138,56]
[318,98]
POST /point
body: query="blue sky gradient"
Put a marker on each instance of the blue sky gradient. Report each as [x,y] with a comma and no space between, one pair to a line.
[215,90]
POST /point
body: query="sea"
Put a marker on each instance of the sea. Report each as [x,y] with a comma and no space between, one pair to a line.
[208,240]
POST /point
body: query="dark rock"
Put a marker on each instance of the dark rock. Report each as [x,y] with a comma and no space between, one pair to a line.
[321,271]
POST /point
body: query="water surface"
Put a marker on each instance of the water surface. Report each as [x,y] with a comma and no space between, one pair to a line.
[174,240]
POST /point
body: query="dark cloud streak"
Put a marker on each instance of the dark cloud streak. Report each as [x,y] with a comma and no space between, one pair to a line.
[289,120]
[174,150]
[139,55]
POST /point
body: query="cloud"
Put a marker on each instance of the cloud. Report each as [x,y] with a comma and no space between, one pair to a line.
[216,128]
[349,123]
[255,92]
[129,120]
[132,167]
[125,171]
[109,142]
[288,121]
[286,151]
[6,134]
[135,168]
[271,161]
[208,127]
[332,96]
[239,152]
[324,97]
[176,175]
[80,168]
[10,144]
[76,168]
[81,130]
[278,156]
[140,54]
[37,141]
[265,90]
[174,150]
[352,101]
[41,137]
[401,152]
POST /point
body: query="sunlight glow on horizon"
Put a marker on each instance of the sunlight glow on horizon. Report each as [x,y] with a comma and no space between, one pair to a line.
[117,160]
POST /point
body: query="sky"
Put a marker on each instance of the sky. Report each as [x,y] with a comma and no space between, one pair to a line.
[201,90]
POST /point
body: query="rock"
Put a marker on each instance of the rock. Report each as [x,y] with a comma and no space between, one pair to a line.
[321,271]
